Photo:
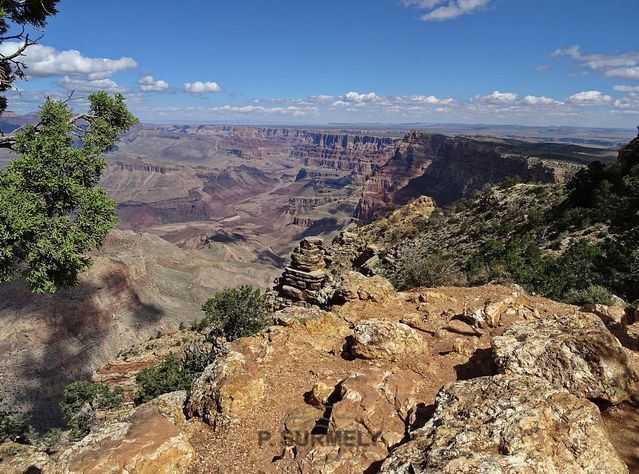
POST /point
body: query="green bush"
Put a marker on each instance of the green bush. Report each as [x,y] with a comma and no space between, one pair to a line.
[509,182]
[415,268]
[13,425]
[47,441]
[591,295]
[172,374]
[80,401]
[236,312]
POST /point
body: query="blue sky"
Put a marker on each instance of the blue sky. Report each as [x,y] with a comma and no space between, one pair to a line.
[398,61]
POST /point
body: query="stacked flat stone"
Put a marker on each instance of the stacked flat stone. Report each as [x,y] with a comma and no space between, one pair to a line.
[306,274]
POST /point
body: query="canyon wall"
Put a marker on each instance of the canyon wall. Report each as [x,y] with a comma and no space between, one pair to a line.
[448,169]
[346,152]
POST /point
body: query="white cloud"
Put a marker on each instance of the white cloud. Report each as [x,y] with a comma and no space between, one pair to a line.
[631,101]
[534,100]
[587,108]
[599,61]
[45,61]
[149,84]
[202,87]
[623,66]
[78,84]
[590,98]
[498,98]
[319,99]
[361,98]
[623,88]
[631,73]
[372,99]
[259,110]
[355,99]
[423,100]
[441,10]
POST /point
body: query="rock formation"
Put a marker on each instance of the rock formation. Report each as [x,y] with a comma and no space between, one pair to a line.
[375,339]
[575,352]
[359,389]
[358,153]
[505,424]
[369,371]
[447,169]
[306,275]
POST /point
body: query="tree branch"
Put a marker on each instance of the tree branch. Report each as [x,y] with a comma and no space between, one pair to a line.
[9,141]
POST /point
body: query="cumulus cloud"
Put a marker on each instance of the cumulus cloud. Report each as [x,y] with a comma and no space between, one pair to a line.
[149,84]
[45,61]
[496,107]
[356,100]
[590,98]
[88,85]
[498,98]
[201,87]
[361,98]
[441,10]
[534,100]
[320,99]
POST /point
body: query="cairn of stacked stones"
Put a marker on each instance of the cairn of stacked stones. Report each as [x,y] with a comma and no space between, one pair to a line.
[306,275]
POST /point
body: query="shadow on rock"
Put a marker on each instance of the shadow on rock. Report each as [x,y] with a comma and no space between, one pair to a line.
[48,341]
[480,364]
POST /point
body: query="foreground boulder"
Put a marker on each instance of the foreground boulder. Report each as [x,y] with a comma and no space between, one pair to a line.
[147,441]
[382,339]
[355,286]
[576,352]
[225,391]
[507,424]
[367,413]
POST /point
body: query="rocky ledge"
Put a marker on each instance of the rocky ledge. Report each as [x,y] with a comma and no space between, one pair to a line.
[430,380]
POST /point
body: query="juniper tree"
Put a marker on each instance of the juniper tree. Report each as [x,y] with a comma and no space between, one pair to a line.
[51,210]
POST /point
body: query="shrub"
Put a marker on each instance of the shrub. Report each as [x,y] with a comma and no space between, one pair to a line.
[80,401]
[583,184]
[47,441]
[235,313]
[169,376]
[593,294]
[414,268]
[509,182]
[13,425]
[172,374]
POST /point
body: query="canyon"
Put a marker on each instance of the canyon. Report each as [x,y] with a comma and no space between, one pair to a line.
[274,186]
[202,208]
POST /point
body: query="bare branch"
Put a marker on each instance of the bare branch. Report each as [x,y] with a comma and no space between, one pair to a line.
[19,51]
[18,36]
[9,141]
